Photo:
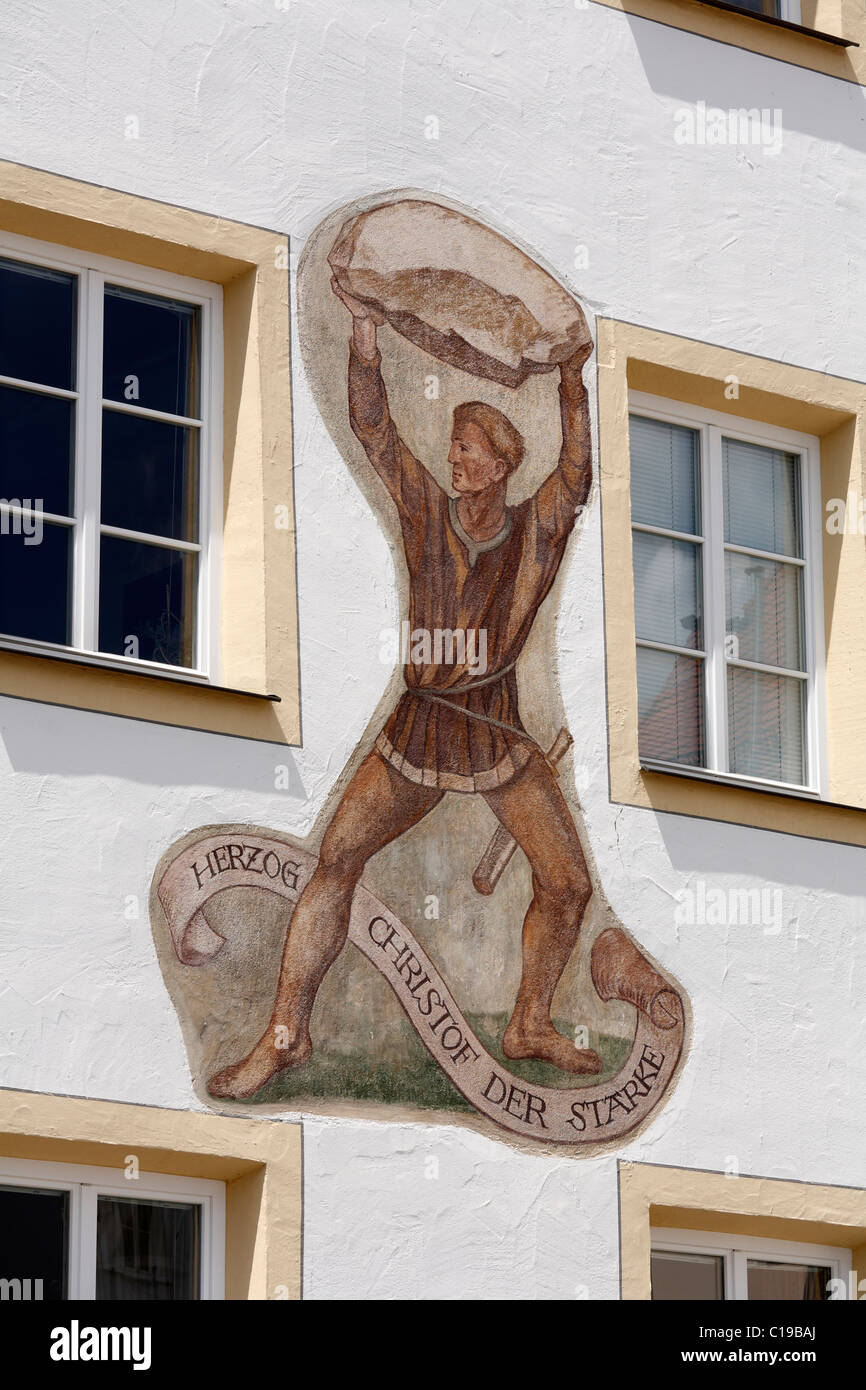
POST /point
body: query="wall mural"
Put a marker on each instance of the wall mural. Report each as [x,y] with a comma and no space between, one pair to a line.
[453,855]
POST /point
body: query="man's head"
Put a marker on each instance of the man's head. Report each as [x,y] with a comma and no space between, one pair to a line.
[485,447]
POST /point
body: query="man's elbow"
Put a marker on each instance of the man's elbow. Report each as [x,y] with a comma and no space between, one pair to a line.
[582,484]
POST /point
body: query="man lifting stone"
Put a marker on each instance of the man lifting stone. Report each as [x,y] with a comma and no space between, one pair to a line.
[474,563]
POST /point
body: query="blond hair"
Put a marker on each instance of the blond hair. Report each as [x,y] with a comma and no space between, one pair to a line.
[504,439]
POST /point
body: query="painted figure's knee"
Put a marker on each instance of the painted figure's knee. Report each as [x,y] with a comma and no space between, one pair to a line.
[565,883]
[341,860]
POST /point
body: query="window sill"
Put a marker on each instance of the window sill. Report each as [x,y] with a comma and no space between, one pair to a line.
[781,24]
[731,779]
[96,663]
[720,21]
[667,789]
[725,779]
[77,682]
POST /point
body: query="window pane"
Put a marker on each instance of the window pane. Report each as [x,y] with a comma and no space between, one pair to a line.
[147,1250]
[149,476]
[156,342]
[34,1236]
[36,450]
[670,707]
[37,324]
[762,497]
[687,1277]
[766,725]
[769,1280]
[147,596]
[769,7]
[764,611]
[35,579]
[665,464]
[667,590]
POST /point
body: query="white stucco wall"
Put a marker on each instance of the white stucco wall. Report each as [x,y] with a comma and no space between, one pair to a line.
[557,124]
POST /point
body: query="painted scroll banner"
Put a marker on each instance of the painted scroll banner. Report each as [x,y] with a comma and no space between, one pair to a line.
[588,1114]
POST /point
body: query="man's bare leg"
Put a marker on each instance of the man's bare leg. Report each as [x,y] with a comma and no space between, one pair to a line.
[377,806]
[533,809]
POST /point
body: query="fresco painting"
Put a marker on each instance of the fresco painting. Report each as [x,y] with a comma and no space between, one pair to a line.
[441,941]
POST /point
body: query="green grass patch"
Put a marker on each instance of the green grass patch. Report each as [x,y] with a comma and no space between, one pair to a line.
[421,1082]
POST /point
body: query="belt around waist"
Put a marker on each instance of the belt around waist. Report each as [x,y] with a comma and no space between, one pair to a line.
[467,687]
[439,696]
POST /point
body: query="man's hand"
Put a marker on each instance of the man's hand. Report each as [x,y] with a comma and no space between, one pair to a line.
[357,308]
[365,320]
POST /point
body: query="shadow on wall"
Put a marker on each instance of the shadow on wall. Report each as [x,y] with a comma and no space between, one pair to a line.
[727,77]
[50,740]
[763,855]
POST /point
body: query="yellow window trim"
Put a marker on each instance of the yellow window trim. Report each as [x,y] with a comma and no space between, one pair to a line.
[260,1162]
[769,1208]
[842,18]
[259,639]
[695,373]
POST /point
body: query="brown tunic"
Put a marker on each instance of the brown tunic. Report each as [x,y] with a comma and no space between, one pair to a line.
[458,584]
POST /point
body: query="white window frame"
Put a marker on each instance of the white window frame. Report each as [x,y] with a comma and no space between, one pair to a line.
[93,273]
[85,1184]
[711,425]
[737,1250]
[791,10]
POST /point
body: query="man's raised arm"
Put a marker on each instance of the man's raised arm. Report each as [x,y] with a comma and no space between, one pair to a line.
[369,415]
[567,488]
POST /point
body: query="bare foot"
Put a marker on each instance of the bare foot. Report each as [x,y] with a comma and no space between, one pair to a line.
[246,1077]
[544,1043]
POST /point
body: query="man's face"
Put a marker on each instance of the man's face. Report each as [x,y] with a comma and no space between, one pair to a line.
[474,466]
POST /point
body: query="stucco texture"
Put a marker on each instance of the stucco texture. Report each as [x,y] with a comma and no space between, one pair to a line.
[556,124]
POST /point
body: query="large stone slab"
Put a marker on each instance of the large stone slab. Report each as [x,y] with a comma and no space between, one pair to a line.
[458,290]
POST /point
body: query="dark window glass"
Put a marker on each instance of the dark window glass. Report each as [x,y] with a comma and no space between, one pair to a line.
[35,579]
[684,1277]
[147,1250]
[769,1279]
[768,7]
[149,476]
[154,341]
[36,450]
[34,1236]
[147,596]
[37,324]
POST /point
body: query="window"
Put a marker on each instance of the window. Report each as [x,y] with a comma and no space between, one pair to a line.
[727,582]
[774,9]
[689,1265]
[109,460]
[74,1232]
